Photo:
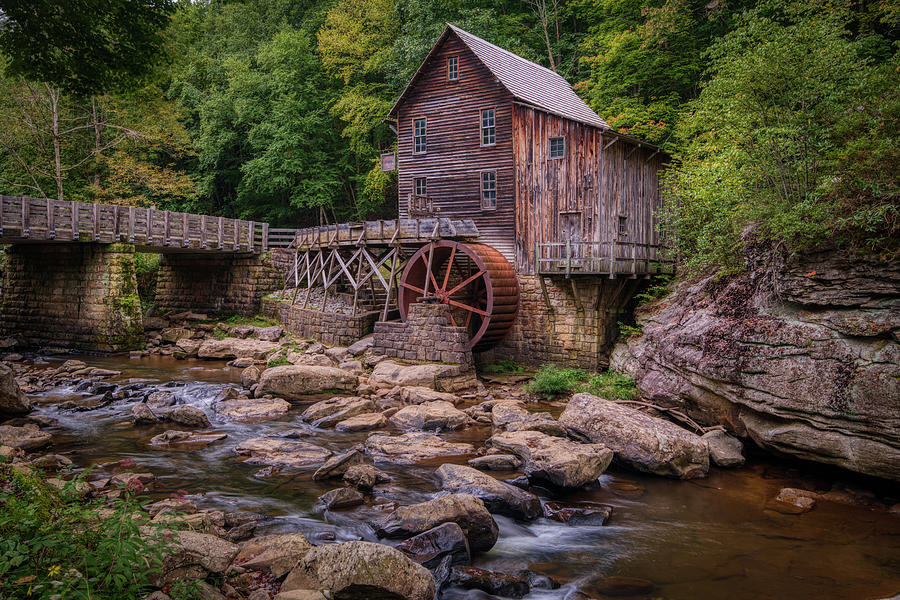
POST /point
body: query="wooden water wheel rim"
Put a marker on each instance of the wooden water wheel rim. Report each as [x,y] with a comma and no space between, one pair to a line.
[428,275]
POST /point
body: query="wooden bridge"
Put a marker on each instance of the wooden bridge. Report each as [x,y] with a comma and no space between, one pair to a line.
[33,220]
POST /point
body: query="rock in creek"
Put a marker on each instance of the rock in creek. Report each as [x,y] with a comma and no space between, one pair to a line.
[431,416]
[252,409]
[338,464]
[578,513]
[492,582]
[189,416]
[418,395]
[142,415]
[389,374]
[498,497]
[465,510]
[277,554]
[360,346]
[512,416]
[642,442]
[724,450]
[250,376]
[280,452]
[26,437]
[296,382]
[364,422]
[329,413]
[229,348]
[339,498]
[364,477]
[193,556]
[160,400]
[356,570]
[12,400]
[496,462]
[793,501]
[557,461]
[431,547]
[412,448]
[173,437]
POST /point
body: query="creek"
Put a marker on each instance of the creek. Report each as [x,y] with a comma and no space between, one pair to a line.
[708,538]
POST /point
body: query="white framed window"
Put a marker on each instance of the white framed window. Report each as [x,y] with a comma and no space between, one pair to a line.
[488,127]
[557,147]
[453,68]
[420,142]
[421,186]
[488,190]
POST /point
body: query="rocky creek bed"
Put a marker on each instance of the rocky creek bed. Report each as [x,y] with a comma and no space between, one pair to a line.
[356,464]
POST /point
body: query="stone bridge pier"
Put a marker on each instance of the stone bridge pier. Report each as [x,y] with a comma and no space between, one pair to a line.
[85,296]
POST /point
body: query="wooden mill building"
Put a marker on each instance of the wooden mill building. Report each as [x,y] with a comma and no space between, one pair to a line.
[484,134]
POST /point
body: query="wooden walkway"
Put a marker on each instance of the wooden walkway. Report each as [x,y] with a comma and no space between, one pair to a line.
[34,220]
[385,233]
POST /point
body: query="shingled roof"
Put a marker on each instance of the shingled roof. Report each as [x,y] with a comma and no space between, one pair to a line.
[528,82]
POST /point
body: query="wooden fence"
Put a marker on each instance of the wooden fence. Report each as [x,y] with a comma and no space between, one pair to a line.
[603,258]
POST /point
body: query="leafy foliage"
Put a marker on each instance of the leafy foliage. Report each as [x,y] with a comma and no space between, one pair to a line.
[54,545]
[551,382]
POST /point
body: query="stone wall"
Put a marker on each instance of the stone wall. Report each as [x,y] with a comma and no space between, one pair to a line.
[80,296]
[567,322]
[333,329]
[215,283]
[426,336]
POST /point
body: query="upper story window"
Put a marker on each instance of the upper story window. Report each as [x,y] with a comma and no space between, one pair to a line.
[623,225]
[421,186]
[453,68]
[557,147]
[488,129]
[488,190]
[419,139]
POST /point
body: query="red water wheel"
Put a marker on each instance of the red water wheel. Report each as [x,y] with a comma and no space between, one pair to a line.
[475,280]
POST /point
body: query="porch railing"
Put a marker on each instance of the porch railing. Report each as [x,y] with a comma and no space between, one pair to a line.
[613,258]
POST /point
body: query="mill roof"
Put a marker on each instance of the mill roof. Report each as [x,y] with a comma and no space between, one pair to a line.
[528,82]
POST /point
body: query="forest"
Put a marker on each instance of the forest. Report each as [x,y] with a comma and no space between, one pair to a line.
[783,115]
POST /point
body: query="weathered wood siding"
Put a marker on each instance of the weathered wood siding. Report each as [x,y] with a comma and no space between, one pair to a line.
[455,157]
[580,197]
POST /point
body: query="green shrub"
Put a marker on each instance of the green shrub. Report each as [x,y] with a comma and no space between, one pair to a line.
[506,365]
[54,545]
[658,288]
[278,361]
[626,330]
[255,321]
[611,386]
[551,382]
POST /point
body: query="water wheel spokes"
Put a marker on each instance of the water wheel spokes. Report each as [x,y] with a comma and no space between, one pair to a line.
[463,276]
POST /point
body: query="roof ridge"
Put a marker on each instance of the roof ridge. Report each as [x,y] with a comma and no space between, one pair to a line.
[504,50]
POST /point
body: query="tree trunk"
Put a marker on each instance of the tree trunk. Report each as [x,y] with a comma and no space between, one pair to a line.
[53,94]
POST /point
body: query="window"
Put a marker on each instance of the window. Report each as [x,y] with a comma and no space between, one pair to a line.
[487,127]
[421,186]
[488,190]
[557,147]
[453,68]
[419,142]
[623,225]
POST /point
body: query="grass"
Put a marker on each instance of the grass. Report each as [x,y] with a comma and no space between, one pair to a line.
[506,365]
[278,361]
[255,321]
[551,382]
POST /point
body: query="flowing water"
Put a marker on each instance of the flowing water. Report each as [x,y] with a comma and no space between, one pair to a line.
[709,538]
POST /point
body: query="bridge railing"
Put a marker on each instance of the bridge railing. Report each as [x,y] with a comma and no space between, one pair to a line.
[24,219]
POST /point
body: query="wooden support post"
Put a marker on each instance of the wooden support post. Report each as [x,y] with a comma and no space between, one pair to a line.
[390,290]
[220,229]
[96,216]
[26,217]
[237,233]
[568,258]
[265,237]
[116,231]
[250,233]
[167,234]
[74,221]
[612,260]
[203,231]
[51,229]
[131,224]
[149,226]
[185,230]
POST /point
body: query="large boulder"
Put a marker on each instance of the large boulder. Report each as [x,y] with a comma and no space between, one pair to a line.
[193,556]
[799,353]
[640,441]
[280,452]
[438,415]
[12,400]
[252,409]
[356,570]
[363,422]
[557,461]
[412,448]
[298,382]
[498,497]
[26,437]
[329,413]
[724,450]
[512,416]
[431,547]
[465,510]
[185,439]
[390,374]
[189,416]
[277,554]
[230,348]
[337,465]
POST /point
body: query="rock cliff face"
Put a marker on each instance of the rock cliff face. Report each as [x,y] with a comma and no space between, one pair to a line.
[800,354]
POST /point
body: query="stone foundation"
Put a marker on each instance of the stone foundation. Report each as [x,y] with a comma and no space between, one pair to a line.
[214,283]
[567,322]
[81,296]
[333,329]
[426,336]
